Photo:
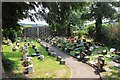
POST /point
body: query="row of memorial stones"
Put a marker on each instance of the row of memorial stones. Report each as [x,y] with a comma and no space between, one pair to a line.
[26,58]
[88,48]
[52,53]
[37,54]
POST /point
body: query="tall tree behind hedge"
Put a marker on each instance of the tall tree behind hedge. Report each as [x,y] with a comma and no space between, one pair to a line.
[99,11]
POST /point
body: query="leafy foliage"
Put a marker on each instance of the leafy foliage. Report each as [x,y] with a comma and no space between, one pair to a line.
[60,15]
[99,11]
[11,13]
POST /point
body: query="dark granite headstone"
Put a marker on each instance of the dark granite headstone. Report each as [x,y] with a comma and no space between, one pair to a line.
[116,59]
[100,63]
[59,58]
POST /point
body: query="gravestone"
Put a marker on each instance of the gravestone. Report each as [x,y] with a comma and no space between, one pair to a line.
[116,59]
[100,63]
[82,55]
[112,50]
[91,48]
[104,52]
[28,44]
[59,58]
[62,62]
[33,46]
[30,68]
[37,51]
[41,57]
[47,48]
[49,52]
[15,48]
[53,53]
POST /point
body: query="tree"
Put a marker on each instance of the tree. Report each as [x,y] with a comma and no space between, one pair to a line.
[11,13]
[59,15]
[99,11]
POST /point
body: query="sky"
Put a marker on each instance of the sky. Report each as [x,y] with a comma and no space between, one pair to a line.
[28,21]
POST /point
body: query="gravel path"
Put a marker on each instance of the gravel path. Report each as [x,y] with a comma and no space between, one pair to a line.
[79,69]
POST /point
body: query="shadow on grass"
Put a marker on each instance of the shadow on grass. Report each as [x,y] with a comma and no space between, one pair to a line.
[15,54]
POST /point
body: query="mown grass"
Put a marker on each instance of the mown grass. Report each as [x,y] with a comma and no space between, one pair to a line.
[49,68]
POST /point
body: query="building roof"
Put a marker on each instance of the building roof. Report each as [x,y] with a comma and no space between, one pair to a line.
[33,25]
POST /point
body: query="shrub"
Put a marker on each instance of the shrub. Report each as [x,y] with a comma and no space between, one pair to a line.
[12,35]
[7,64]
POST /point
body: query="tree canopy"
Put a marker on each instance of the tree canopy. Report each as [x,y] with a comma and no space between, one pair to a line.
[59,15]
[99,11]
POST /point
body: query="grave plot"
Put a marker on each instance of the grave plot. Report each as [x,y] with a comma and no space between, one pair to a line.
[41,66]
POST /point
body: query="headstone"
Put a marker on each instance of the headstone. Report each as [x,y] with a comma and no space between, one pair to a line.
[10,44]
[41,57]
[100,63]
[62,62]
[115,64]
[82,55]
[117,53]
[91,48]
[112,50]
[28,44]
[29,58]
[33,46]
[87,58]
[104,52]
[33,55]
[78,57]
[53,53]
[76,54]
[30,68]
[13,49]
[47,48]
[116,59]
[59,58]
[49,52]
[37,51]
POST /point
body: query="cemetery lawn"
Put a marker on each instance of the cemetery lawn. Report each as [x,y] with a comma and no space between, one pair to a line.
[49,68]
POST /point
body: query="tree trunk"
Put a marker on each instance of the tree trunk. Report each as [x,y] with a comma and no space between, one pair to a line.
[98,28]
[69,31]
